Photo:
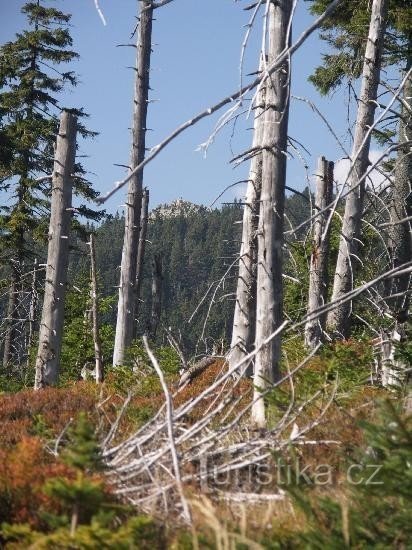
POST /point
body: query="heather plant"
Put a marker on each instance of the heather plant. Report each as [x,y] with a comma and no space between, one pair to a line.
[377,507]
[89,516]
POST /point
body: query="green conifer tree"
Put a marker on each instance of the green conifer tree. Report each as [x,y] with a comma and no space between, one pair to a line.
[82,496]
[345,34]
[91,516]
[30,84]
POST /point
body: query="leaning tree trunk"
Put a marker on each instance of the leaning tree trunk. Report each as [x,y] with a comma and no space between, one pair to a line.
[157,279]
[339,320]
[318,274]
[98,370]
[127,294]
[269,300]
[51,325]
[244,320]
[400,232]
[141,249]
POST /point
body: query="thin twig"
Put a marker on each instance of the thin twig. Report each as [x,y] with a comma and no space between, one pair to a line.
[169,415]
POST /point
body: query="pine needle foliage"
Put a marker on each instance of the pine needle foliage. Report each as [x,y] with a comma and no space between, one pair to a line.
[31,81]
[345,34]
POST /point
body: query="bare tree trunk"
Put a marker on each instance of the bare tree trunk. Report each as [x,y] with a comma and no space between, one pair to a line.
[269,301]
[244,320]
[10,313]
[339,320]
[32,311]
[99,373]
[127,294]
[400,232]
[157,278]
[142,247]
[394,371]
[318,275]
[51,326]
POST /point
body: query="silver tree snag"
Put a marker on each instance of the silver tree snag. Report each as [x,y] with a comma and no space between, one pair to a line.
[339,319]
[127,293]
[98,369]
[318,272]
[269,297]
[144,218]
[157,284]
[394,371]
[32,311]
[11,314]
[244,320]
[400,231]
[51,324]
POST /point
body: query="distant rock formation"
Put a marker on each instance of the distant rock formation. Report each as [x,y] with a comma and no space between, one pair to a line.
[176,208]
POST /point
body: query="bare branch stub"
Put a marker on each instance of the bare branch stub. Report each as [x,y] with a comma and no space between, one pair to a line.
[228,99]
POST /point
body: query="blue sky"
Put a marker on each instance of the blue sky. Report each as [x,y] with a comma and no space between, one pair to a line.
[195,63]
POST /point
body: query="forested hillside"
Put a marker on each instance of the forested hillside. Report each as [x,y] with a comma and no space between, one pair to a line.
[199,249]
[227,377]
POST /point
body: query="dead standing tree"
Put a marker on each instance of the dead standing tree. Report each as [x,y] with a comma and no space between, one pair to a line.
[400,248]
[318,274]
[98,370]
[11,314]
[157,283]
[400,234]
[269,300]
[51,325]
[244,321]
[32,312]
[127,286]
[144,218]
[17,327]
[339,319]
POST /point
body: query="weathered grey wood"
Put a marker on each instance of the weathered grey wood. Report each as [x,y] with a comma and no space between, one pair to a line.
[318,273]
[127,293]
[32,311]
[51,325]
[400,234]
[10,313]
[157,280]
[269,300]
[244,320]
[392,370]
[339,319]
[144,218]
[98,370]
